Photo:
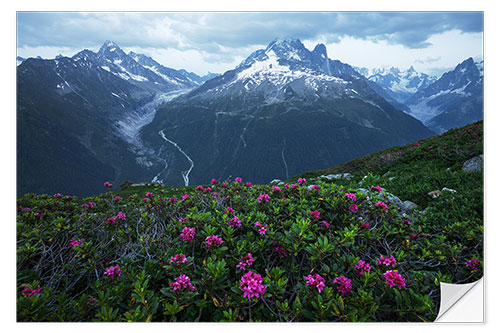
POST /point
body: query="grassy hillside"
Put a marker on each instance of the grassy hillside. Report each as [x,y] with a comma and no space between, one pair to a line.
[308,250]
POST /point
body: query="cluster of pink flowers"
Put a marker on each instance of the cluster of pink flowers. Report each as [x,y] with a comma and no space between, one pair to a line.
[118,198]
[382,205]
[234,222]
[364,225]
[315,281]
[108,184]
[214,239]
[121,216]
[172,200]
[276,189]
[344,284]
[262,228]
[245,261]
[264,197]
[88,205]
[251,285]
[187,234]
[249,184]
[363,267]
[393,278]
[185,197]
[182,281]
[315,214]
[315,187]
[230,210]
[199,188]
[472,264]
[149,195]
[75,242]
[388,261]
[27,291]
[353,208]
[112,220]
[302,181]
[406,221]
[178,259]
[293,185]
[111,271]
[376,188]
[57,195]
[351,196]
[208,189]
[214,181]
[237,179]
[22,209]
[38,215]
[325,225]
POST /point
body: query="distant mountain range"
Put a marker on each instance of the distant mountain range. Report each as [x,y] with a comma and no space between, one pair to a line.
[112,116]
[284,110]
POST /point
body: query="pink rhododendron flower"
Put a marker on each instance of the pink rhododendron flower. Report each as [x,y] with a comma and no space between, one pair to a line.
[224,185]
[57,195]
[27,291]
[111,271]
[185,197]
[234,222]
[315,187]
[413,236]
[264,197]
[214,181]
[111,220]
[108,184]
[315,214]
[149,195]
[118,198]
[382,205]
[178,259]
[120,215]
[393,278]
[262,229]
[249,184]
[301,181]
[325,225]
[199,188]
[230,210]
[208,189]
[364,226]
[286,186]
[353,208]
[187,234]
[315,281]
[251,285]
[75,242]
[276,189]
[294,185]
[344,285]
[351,196]
[182,281]
[38,215]
[472,264]
[237,179]
[145,200]
[388,261]
[376,188]
[172,200]
[362,267]
[213,240]
[406,221]
[245,261]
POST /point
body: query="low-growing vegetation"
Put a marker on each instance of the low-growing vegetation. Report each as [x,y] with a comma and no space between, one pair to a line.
[306,250]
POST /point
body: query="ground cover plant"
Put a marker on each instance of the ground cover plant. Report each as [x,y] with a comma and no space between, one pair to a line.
[310,249]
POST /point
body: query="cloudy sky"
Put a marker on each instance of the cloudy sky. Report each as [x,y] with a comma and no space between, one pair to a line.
[433,42]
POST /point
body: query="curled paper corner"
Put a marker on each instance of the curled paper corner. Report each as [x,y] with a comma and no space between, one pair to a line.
[461,303]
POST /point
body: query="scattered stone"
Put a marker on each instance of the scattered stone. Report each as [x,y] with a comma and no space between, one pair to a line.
[391,178]
[409,206]
[363,190]
[395,200]
[474,164]
[435,194]
[275,181]
[337,176]
[449,190]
